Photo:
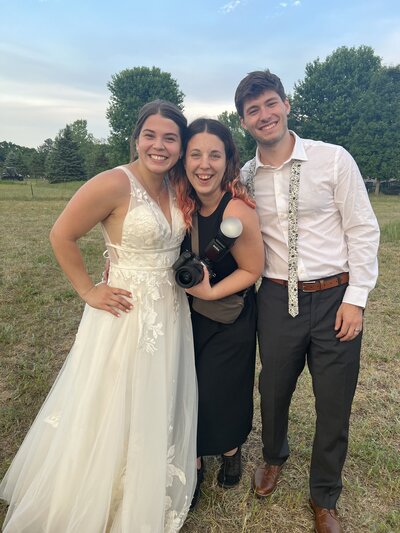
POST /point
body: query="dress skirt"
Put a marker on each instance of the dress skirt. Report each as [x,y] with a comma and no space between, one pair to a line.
[225,366]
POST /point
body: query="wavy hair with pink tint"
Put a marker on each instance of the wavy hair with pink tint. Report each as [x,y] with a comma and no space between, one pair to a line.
[187,199]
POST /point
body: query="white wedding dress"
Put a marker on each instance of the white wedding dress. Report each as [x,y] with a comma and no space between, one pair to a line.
[113,447]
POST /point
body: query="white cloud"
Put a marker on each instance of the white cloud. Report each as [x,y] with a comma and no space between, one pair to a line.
[297,3]
[389,49]
[230,6]
[29,117]
[196,108]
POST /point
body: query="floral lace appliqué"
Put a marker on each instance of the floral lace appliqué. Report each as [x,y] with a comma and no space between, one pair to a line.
[173,470]
[151,331]
[173,518]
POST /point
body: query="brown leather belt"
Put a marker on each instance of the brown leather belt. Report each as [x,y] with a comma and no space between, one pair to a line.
[317,284]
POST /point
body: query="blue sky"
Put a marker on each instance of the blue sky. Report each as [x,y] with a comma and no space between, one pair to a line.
[56,56]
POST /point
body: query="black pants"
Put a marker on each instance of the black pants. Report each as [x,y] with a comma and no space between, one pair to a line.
[285,345]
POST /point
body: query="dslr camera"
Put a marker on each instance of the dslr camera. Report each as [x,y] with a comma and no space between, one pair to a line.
[188,267]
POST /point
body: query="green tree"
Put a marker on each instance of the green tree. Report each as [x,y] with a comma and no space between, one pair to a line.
[37,165]
[5,147]
[375,137]
[41,162]
[65,162]
[98,158]
[130,90]
[80,132]
[85,141]
[46,147]
[325,104]
[19,157]
[27,154]
[245,144]
[15,162]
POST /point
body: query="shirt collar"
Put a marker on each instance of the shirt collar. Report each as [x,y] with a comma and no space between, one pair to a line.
[298,152]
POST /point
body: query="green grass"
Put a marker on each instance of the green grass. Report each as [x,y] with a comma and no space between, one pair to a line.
[34,190]
[390,232]
[39,316]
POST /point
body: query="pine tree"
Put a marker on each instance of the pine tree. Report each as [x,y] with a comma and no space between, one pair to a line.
[65,162]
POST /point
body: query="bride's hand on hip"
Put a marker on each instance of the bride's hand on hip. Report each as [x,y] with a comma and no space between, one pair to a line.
[107,298]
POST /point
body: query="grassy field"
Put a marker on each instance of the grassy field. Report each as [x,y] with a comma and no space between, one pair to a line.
[39,315]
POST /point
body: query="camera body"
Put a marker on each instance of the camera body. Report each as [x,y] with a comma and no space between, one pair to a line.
[189,266]
[189,269]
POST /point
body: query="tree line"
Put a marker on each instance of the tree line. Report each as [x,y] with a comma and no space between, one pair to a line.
[350,98]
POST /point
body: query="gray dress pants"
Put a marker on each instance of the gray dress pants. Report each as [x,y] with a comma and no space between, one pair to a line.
[286,344]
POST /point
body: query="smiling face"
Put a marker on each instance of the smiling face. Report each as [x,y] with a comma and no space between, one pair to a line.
[265,118]
[205,164]
[158,145]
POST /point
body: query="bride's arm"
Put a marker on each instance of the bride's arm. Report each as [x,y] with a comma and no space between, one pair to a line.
[96,200]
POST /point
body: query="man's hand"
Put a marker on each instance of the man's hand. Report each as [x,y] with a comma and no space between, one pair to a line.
[349,322]
[107,298]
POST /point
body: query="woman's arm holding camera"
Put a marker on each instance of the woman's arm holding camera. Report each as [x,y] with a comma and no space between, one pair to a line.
[248,252]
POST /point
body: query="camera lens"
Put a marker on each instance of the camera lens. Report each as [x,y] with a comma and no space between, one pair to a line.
[185,279]
[190,274]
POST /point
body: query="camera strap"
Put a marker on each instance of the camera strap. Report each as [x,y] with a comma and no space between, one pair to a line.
[225,310]
[194,234]
[194,237]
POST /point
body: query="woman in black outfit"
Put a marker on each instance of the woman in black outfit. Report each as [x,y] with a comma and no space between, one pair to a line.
[225,353]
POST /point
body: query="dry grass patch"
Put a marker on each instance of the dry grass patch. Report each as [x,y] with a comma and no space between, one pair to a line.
[39,315]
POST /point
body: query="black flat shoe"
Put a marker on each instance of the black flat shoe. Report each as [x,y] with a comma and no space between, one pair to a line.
[230,470]
[200,477]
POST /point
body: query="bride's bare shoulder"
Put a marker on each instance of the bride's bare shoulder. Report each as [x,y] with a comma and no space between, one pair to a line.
[113,182]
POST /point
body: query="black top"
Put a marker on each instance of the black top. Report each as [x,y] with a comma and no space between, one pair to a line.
[208,228]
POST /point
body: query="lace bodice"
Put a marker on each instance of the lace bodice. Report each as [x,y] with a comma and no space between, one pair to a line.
[148,241]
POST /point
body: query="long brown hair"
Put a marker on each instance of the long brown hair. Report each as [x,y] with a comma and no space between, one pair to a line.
[165,109]
[187,199]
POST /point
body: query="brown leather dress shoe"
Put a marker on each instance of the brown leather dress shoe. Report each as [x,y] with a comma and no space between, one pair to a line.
[326,520]
[265,479]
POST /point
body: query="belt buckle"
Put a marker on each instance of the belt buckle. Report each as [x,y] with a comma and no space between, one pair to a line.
[312,286]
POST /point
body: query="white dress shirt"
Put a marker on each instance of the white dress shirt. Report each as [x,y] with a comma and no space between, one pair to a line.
[338,230]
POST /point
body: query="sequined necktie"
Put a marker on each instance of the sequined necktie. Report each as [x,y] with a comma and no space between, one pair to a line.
[249,180]
[294,182]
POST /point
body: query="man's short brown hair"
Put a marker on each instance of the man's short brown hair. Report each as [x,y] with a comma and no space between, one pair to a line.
[254,84]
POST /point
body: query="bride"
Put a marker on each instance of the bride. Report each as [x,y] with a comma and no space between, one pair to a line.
[113,447]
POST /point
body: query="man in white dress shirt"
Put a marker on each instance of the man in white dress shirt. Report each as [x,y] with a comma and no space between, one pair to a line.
[337,244]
